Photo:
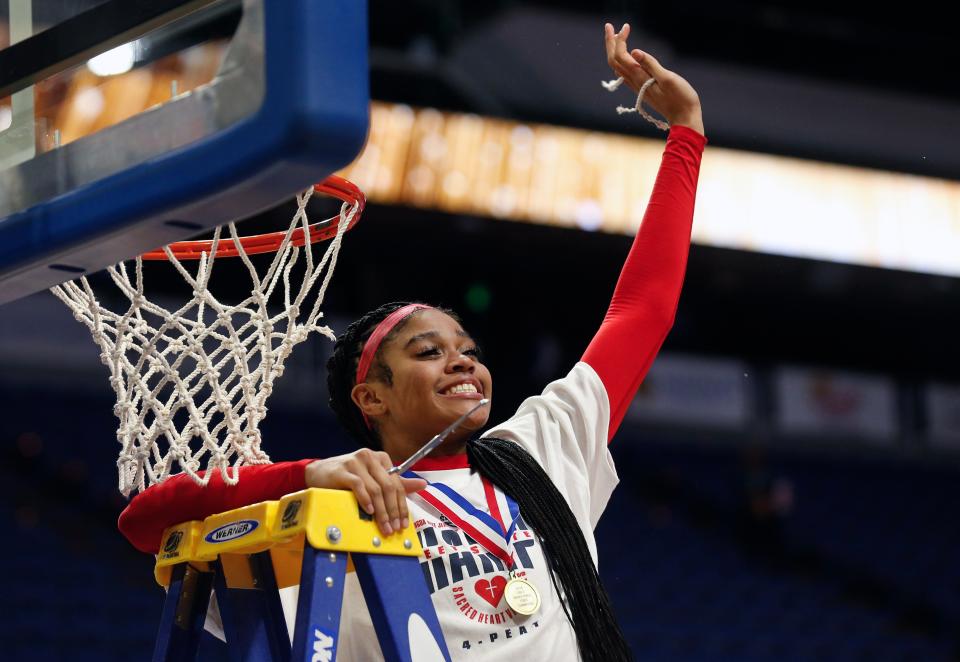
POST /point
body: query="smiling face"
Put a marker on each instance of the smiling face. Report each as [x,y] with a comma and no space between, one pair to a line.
[436,376]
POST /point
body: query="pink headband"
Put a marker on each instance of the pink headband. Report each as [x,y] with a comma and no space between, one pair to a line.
[373,342]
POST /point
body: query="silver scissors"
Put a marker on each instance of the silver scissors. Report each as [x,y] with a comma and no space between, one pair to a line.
[436,441]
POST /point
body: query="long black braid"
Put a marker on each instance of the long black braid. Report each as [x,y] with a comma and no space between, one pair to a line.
[514,471]
[544,509]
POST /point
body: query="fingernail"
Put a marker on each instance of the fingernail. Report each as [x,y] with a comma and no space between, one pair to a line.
[396,525]
[405,522]
[385,527]
[369,508]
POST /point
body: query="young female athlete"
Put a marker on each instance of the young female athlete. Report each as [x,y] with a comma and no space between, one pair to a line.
[520,501]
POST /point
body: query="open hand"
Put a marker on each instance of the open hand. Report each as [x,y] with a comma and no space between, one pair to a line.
[671,96]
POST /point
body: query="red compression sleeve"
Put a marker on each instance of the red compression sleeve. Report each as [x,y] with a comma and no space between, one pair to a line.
[644,302]
[179,499]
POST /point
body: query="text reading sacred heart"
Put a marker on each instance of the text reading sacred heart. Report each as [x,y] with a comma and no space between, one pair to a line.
[492,590]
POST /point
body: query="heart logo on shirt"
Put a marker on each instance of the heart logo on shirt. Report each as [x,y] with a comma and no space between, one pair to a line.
[491,590]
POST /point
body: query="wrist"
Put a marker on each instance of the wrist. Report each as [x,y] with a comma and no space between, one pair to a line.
[692,119]
[310,473]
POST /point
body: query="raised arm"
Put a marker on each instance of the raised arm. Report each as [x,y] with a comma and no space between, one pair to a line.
[645,300]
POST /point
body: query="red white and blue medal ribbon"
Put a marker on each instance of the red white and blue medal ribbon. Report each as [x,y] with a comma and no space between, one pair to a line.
[493,530]
[489,529]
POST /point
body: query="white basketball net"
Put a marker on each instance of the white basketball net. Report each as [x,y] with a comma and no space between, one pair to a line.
[197,379]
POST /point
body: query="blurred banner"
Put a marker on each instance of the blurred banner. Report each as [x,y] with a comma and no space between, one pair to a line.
[689,390]
[943,415]
[554,175]
[813,402]
[468,164]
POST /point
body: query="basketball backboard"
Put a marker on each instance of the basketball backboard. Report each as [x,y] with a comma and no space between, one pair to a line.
[127,125]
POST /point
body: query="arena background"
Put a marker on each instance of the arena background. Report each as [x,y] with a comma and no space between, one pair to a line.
[790,468]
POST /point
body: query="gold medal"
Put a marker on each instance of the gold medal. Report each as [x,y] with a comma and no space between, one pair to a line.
[521,595]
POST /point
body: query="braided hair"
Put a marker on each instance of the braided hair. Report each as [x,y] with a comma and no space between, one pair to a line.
[517,473]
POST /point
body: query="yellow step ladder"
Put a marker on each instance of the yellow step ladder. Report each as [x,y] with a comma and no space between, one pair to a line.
[311,538]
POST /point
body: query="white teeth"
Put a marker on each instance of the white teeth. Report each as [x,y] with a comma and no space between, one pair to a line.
[461,388]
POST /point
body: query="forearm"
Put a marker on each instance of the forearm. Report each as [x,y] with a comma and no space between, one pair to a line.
[179,499]
[645,300]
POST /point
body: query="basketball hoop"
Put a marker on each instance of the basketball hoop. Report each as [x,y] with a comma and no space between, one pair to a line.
[205,370]
[335,187]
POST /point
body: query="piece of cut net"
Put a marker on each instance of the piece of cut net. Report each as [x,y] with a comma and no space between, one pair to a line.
[613,85]
[192,383]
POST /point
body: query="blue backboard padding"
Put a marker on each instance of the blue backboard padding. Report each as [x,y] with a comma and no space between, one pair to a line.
[313,120]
